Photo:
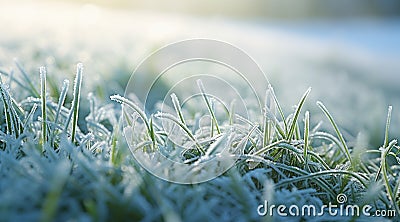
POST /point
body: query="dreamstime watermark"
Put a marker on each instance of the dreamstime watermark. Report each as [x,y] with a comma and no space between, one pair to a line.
[340,209]
[199,75]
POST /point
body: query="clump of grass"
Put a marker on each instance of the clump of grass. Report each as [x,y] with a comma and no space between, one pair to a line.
[91,176]
[288,154]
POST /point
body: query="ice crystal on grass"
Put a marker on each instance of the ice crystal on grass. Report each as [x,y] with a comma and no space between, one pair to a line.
[93,176]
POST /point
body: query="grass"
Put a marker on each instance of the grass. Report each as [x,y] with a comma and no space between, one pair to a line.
[43,94]
[77,97]
[53,171]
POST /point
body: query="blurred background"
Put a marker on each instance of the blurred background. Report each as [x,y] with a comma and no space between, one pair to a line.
[347,51]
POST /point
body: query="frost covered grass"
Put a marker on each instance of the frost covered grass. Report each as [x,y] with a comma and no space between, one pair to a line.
[51,170]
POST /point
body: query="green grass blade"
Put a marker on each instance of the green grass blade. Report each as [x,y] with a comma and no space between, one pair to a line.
[30,115]
[279,107]
[42,71]
[266,121]
[322,173]
[268,147]
[232,112]
[61,100]
[386,140]
[389,116]
[135,107]
[13,122]
[77,96]
[203,93]
[306,134]
[177,106]
[266,132]
[268,114]
[6,109]
[152,133]
[397,191]
[114,143]
[182,126]
[319,180]
[385,173]
[212,103]
[338,133]
[296,114]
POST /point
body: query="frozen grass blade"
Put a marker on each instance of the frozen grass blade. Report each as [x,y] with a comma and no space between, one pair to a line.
[75,102]
[386,140]
[250,123]
[266,121]
[306,135]
[177,107]
[182,126]
[278,106]
[17,109]
[397,192]
[232,112]
[360,179]
[268,114]
[61,100]
[212,103]
[13,122]
[150,127]
[30,115]
[326,136]
[152,133]
[296,114]
[385,173]
[389,117]
[283,144]
[268,147]
[275,165]
[42,71]
[383,168]
[203,93]
[114,143]
[267,131]
[297,135]
[338,133]
[6,109]
[135,107]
